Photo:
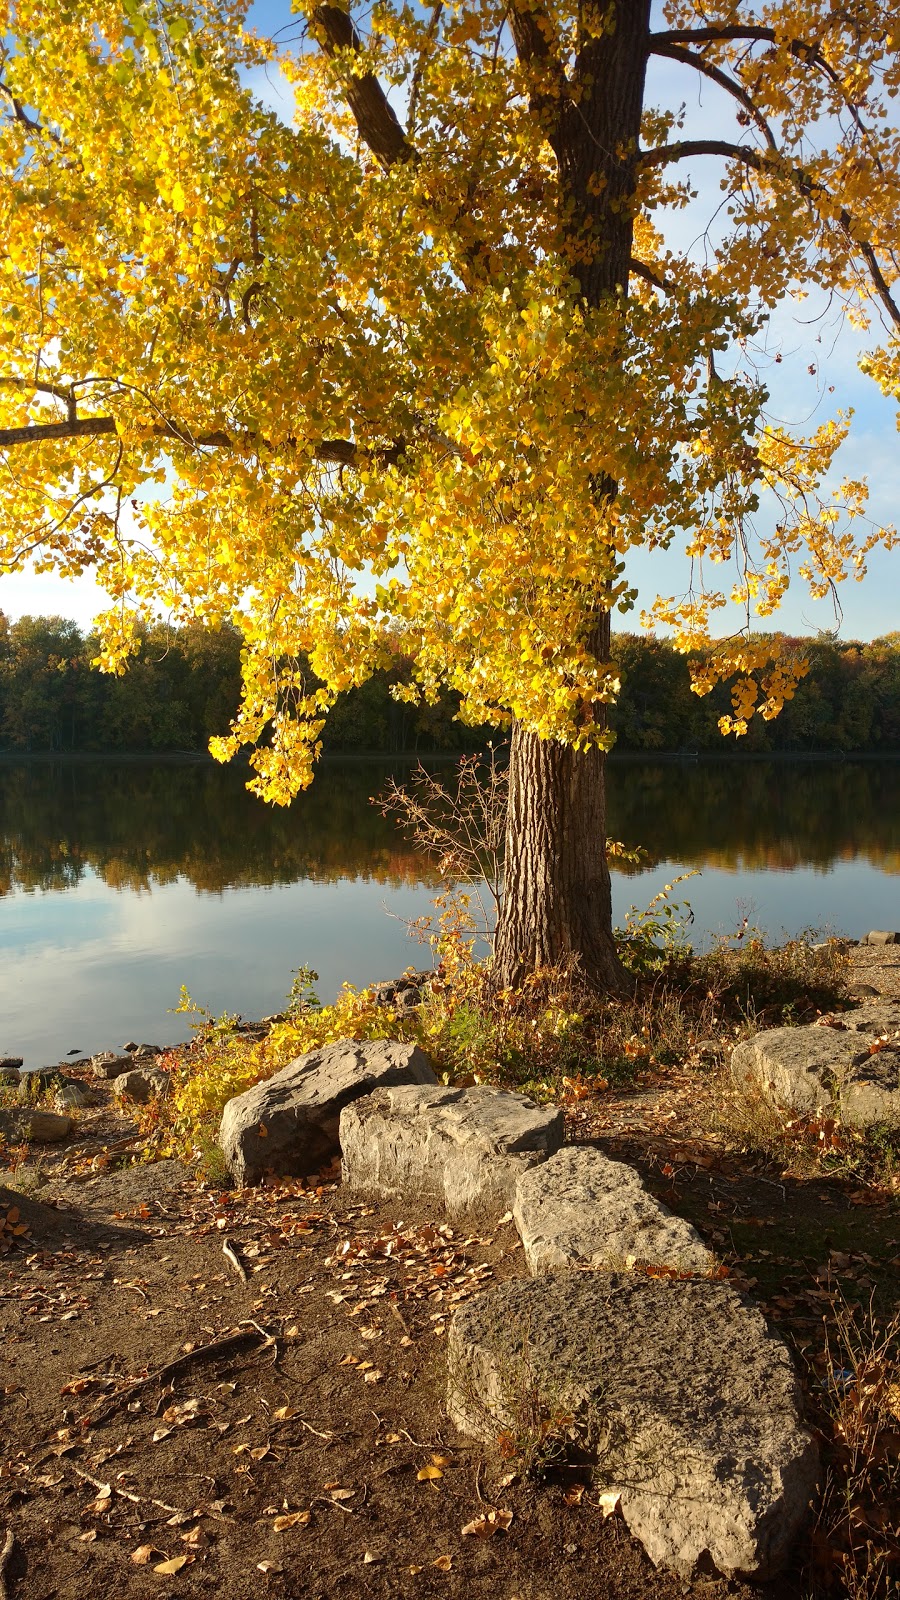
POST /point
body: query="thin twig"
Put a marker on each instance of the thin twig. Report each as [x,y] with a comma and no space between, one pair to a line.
[392,1306]
[233,1259]
[9,1545]
[113,1488]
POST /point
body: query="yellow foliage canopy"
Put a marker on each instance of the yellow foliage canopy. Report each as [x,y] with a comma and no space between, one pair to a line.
[341,379]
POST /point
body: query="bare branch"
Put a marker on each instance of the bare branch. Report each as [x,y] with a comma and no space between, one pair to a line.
[375,118]
[715,74]
[720,33]
[21,115]
[639,269]
[779,168]
[337,452]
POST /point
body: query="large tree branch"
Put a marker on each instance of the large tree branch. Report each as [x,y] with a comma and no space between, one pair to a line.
[715,74]
[721,33]
[335,452]
[378,125]
[777,167]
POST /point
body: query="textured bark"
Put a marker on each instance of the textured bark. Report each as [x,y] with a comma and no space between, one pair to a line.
[556,903]
[556,897]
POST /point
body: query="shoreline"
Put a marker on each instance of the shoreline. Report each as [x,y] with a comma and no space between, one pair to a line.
[346,757]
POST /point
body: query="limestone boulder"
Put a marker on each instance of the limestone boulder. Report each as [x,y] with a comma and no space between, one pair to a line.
[852,1071]
[40,1127]
[288,1125]
[141,1084]
[582,1209]
[109,1065]
[678,1391]
[465,1147]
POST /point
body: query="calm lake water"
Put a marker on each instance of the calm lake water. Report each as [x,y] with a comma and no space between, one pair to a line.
[120,881]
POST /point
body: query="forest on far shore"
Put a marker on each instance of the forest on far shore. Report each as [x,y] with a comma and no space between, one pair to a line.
[184,685]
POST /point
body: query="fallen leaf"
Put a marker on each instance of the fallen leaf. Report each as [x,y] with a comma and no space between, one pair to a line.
[144,1554]
[428,1473]
[368,1558]
[291,1519]
[443,1563]
[269,1566]
[284,1413]
[484,1527]
[374,1376]
[608,1501]
[573,1496]
[174,1565]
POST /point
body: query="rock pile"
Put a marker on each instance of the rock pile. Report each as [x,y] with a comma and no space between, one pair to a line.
[625,1334]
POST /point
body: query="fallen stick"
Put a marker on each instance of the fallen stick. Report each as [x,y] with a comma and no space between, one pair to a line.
[233,1259]
[9,1545]
[229,1344]
[113,1488]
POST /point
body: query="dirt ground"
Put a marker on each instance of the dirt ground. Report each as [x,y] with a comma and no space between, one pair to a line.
[269,1422]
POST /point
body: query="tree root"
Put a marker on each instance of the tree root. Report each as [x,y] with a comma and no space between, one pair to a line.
[230,1344]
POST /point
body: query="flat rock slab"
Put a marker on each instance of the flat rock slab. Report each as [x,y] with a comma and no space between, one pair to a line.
[466,1147]
[684,1398]
[581,1209]
[288,1125]
[847,1070]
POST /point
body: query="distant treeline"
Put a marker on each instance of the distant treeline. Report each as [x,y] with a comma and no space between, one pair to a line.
[184,685]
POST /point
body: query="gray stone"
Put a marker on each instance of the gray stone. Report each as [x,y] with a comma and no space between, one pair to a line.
[881,936]
[71,1097]
[109,1065]
[815,1069]
[288,1125]
[581,1209]
[11,1063]
[140,1084]
[880,1018]
[466,1147]
[9,1077]
[676,1388]
[43,1127]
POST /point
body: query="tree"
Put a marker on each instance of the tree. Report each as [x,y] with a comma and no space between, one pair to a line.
[426,362]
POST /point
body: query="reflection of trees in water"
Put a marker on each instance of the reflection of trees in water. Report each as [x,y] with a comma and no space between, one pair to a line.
[758,814]
[141,824]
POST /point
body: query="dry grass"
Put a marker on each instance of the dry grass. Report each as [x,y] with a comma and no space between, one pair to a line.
[856,1546]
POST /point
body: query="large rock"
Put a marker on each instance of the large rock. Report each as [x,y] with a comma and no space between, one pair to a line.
[852,1071]
[678,1390]
[581,1209]
[40,1127]
[881,936]
[288,1125]
[466,1147]
[109,1065]
[141,1084]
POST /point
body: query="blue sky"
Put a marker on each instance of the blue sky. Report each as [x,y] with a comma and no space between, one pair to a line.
[869,608]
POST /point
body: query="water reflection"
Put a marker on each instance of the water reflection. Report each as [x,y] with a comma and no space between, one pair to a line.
[137,825]
[174,874]
[758,815]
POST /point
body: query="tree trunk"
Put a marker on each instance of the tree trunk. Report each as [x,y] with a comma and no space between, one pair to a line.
[556,900]
[556,896]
